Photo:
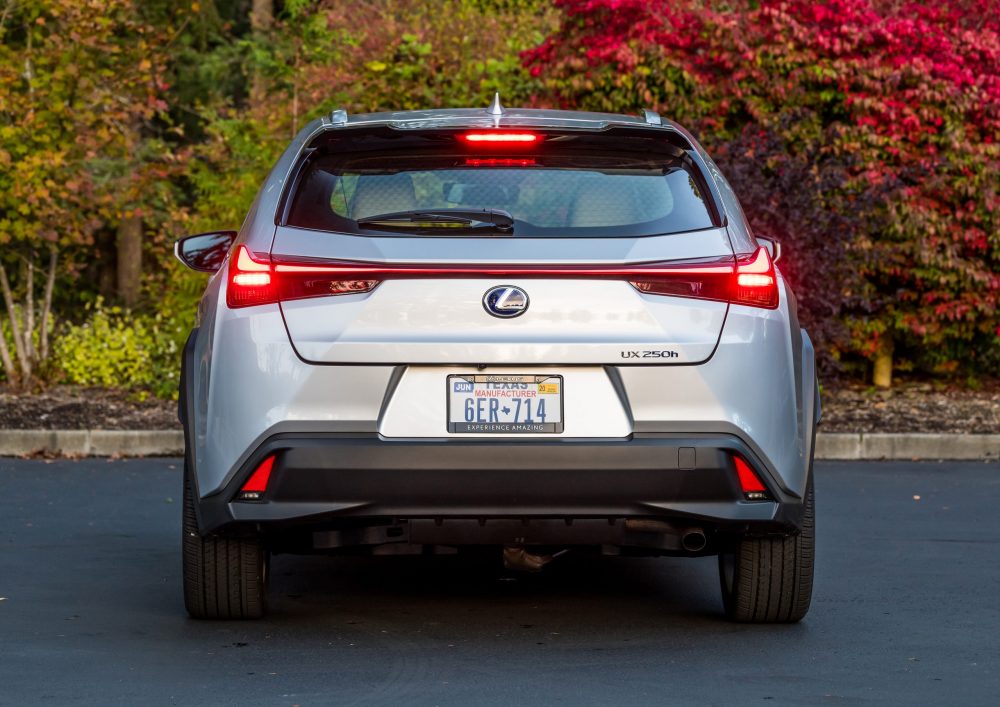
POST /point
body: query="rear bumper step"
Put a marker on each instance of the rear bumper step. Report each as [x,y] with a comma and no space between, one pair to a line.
[322,479]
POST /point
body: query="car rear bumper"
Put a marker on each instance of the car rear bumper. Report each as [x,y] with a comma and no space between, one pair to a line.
[322,480]
[244,384]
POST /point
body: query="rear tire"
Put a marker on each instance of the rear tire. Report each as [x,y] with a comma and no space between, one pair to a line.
[224,577]
[769,580]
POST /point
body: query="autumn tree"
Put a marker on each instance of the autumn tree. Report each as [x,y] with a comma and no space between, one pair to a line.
[78,79]
[888,112]
[310,58]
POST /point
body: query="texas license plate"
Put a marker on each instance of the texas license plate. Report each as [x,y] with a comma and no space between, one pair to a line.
[505,404]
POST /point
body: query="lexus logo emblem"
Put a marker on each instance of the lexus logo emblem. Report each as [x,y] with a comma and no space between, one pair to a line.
[505,301]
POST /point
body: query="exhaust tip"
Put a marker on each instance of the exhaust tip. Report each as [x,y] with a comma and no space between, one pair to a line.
[694,540]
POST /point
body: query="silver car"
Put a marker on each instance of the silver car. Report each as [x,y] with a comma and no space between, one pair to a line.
[525,330]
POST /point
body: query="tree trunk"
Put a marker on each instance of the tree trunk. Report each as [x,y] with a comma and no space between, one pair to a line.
[262,15]
[15,326]
[8,362]
[50,283]
[883,361]
[107,253]
[261,19]
[29,308]
[129,259]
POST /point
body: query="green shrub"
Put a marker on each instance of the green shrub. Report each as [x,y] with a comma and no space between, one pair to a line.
[115,348]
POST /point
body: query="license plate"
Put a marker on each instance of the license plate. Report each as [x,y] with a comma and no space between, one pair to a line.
[505,404]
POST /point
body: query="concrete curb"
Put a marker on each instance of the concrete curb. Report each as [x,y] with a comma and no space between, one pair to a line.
[92,443]
[862,445]
[829,446]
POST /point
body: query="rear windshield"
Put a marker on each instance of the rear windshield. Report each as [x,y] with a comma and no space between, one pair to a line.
[560,188]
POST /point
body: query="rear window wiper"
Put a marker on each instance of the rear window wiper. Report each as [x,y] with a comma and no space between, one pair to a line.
[441,220]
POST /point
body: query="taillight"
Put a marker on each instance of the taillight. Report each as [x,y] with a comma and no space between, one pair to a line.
[750,280]
[756,283]
[705,280]
[251,280]
[256,280]
[751,485]
[302,281]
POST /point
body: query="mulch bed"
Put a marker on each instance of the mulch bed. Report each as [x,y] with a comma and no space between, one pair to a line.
[908,407]
[68,408]
[912,407]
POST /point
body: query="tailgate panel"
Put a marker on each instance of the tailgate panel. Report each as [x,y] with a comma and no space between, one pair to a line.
[443,321]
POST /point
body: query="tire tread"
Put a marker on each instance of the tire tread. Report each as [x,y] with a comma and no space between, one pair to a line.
[773,577]
[224,577]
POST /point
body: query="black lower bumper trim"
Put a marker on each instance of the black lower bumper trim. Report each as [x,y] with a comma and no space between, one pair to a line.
[321,479]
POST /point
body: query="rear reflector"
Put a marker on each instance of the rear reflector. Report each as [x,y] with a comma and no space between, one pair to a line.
[256,485]
[750,483]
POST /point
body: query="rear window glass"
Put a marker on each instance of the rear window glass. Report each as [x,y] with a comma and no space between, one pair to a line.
[553,191]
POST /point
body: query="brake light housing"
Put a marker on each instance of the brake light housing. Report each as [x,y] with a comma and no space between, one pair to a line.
[250,280]
[254,280]
[749,280]
[755,283]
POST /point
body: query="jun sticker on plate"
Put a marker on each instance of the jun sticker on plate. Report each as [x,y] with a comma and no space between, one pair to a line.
[505,404]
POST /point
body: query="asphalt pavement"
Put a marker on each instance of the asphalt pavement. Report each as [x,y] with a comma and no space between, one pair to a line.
[906,609]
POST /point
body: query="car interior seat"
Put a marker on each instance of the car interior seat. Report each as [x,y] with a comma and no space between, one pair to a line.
[382,194]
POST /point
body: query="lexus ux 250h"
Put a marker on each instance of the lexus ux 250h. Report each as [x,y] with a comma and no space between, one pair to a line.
[528,329]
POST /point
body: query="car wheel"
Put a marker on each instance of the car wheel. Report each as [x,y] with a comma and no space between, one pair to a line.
[225,577]
[769,580]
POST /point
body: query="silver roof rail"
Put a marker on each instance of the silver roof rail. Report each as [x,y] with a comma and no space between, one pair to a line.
[651,117]
[338,117]
[495,107]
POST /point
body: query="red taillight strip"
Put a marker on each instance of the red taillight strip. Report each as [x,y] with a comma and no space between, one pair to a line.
[704,279]
[721,266]
[746,279]
[246,263]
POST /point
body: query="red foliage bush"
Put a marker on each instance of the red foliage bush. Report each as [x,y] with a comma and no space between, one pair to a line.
[864,132]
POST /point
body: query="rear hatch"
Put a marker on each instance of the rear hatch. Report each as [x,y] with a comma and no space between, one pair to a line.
[439,317]
[608,238]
